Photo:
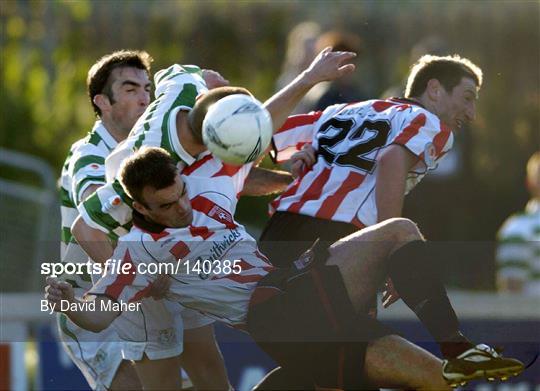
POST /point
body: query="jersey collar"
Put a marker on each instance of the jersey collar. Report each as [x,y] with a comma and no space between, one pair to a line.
[173,136]
[107,138]
[407,101]
[140,222]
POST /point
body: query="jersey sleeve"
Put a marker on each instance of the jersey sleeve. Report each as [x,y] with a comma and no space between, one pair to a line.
[108,209]
[87,167]
[425,136]
[185,81]
[291,137]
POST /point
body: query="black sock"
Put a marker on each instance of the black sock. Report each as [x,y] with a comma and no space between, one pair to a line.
[455,345]
[414,271]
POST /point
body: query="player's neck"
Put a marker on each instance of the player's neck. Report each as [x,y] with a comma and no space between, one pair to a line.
[115,131]
[428,104]
[185,136]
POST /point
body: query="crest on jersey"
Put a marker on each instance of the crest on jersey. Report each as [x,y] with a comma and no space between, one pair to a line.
[220,214]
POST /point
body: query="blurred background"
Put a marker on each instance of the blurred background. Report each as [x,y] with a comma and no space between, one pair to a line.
[47,47]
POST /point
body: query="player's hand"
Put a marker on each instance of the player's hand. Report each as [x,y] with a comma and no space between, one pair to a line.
[390,295]
[329,65]
[56,291]
[213,79]
[160,287]
[302,160]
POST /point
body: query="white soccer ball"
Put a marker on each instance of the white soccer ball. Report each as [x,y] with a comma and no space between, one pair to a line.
[237,129]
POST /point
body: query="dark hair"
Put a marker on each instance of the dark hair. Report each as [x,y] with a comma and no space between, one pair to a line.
[448,70]
[197,114]
[98,79]
[149,166]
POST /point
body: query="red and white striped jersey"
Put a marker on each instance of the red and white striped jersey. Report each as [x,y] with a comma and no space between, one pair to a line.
[213,237]
[340,186]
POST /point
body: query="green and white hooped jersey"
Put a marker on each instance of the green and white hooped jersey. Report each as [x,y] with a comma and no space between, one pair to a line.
[518,252]
[84,166]
[177,87]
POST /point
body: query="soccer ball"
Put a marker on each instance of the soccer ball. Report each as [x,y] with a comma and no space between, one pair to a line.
[237,129]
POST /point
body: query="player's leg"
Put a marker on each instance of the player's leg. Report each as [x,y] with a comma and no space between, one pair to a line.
[126,377]
[311,327]
[281,379]
[396,248]
[98,356]
[160,374]
[202,359]
[154,342]
[393,362]
[363,257]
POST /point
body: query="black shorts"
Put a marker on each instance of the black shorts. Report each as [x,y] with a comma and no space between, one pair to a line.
[304,319]
[287,235]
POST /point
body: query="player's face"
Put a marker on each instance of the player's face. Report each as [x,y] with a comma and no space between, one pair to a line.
[169,206]
[131,96]
[458,107]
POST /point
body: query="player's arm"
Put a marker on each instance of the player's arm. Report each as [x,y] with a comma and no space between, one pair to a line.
[326,66]
[214,79]
[261,182]
[102,215]
[60,297]
[392,167]
[93,241]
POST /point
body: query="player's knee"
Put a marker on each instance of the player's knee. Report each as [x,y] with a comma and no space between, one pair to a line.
[404,230]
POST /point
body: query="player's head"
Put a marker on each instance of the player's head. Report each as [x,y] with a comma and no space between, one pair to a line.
[533,175]
[119,87]
[448,86]
[151,179]
[203,103]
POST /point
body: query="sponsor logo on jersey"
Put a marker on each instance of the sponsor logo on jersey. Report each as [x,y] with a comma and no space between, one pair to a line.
[220,247]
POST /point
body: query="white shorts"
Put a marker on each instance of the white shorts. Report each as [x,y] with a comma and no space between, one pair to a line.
[156,329]
[97,355]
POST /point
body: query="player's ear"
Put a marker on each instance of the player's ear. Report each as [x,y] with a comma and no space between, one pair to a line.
[433,89]
[102,101]
[140,208]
